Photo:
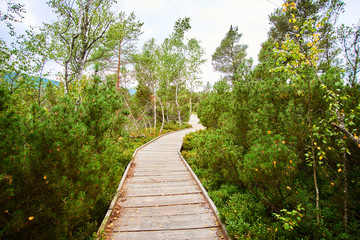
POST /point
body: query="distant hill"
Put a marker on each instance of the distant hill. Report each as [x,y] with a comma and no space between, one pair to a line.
[8,77]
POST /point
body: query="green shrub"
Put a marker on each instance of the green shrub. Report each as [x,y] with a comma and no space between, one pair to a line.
[53,162]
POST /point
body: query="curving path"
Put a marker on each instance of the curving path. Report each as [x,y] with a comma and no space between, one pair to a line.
[161,198]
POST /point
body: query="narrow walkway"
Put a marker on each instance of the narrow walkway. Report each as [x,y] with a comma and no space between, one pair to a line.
[160,197]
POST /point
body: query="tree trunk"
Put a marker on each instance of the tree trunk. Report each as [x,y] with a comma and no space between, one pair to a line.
[177,104]
[154,94]
[131,115]
[163,115]
[40,82]
[144,123]
[143,114]
[66,78]
[314,162]
[118,67]
[190,106]
[167,112]
[166,102]
[79,71]
[345,193]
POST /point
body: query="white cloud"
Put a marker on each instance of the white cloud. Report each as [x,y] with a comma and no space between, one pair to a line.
[210,20]
[146,4]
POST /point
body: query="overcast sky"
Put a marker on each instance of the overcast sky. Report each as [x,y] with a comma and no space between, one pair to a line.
[210,20]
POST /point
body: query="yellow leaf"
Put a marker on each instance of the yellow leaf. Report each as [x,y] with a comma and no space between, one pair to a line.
[31,218]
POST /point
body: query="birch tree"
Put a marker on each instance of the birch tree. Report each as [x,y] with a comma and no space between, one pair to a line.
[74,36]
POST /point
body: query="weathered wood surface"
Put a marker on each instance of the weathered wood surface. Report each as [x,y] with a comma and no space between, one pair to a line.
[160,199]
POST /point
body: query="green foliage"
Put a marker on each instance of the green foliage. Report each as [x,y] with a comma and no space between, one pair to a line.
[290,218]
[292,124]
[229,55]
[53,163]
[216,158]
[215,104]
[269,170]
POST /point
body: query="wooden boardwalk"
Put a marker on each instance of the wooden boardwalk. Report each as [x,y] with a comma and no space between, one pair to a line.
[161,198]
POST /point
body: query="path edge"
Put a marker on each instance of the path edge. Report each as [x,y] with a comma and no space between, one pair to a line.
[124,176]
[203,190]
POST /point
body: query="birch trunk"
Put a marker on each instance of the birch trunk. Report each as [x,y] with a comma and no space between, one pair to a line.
[163,115]
[118,67]
[177,105]
[190,106]
[154,94]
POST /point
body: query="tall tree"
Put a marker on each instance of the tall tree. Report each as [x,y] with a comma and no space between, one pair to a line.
[118,45]
[146,72]
[174,58]
[80,26]
[196,52]
[350,42]
[229,55]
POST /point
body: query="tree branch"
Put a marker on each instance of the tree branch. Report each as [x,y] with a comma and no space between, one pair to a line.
[342,129]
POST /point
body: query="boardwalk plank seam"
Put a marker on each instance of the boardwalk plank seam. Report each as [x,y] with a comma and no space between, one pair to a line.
[156,230]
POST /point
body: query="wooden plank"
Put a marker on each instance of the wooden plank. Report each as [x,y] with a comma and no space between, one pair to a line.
[157,160]
[132,192]
[168,210]
[166,171]
[162,200]
[159,185]
[160,164]
[193,234]
[165,222]
[159,173]
[147,154]
[154,168]
[155,179]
